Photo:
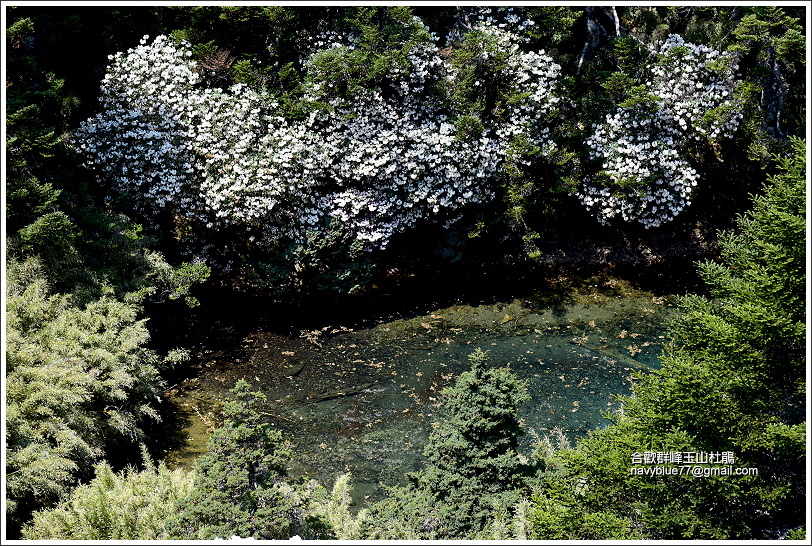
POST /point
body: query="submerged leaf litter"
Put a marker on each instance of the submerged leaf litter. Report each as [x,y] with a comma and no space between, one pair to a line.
[365,401]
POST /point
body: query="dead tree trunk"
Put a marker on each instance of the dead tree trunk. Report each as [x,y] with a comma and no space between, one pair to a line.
[597,21]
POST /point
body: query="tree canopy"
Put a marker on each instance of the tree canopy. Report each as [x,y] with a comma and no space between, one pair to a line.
[361,125]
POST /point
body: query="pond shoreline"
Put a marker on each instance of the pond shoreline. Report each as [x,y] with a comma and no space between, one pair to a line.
[357,385]
[222,336]
[416,287]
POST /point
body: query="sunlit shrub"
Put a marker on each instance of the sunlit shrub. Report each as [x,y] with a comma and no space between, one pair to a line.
[689,95]
[375,162]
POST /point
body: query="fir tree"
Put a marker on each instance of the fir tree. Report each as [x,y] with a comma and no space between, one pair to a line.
[774,37]
[473,467]
[733,382]
[239,488]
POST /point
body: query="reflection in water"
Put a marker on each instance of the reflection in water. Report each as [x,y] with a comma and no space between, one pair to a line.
[364,401]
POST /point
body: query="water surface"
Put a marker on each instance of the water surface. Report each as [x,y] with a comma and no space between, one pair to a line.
[365,400]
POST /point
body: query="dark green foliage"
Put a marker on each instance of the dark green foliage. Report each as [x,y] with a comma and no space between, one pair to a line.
[382,37]
[473,467]
[177,282]
[480,84]
[555,27]
[408,513]
[756,321]
[238,489]
[385,37]
[80,384]
[33,148]
[263,42]
[482,93]
[51,232]
[559,515]
[332,261]
[52,211]
[265,46]
[479,438]
[772,39]
[733,381]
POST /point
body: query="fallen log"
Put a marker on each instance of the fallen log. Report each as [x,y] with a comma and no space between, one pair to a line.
[338,394]
[276,416]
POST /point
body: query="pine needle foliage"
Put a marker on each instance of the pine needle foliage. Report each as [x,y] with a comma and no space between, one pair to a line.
[79,384]
[473,466]
[732,381]
[130,505]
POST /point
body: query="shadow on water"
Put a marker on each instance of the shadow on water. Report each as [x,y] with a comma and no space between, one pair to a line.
[361,394]
[228,314]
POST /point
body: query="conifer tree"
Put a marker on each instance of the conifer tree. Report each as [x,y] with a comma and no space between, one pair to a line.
[131,505]
[773,36]
[238,489]
[79,383]
[732,382]
[473,467]
[473,457]
[34,149]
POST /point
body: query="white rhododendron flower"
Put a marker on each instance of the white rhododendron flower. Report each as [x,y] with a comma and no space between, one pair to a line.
[376,164]
[643,177]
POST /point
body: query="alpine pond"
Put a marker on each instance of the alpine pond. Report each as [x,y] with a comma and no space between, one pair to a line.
[364,400]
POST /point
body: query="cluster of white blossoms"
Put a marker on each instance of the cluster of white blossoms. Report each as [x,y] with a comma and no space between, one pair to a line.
[531,76]
[139,141]
[413,167]
[643,177]
[533,73]
[376,163]
[504,19]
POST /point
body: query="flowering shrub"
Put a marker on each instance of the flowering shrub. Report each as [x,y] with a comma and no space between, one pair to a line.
[689,95]
[527,82]
[397,159]
[374,161]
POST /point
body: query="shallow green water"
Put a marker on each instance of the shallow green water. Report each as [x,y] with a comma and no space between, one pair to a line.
[364,401]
